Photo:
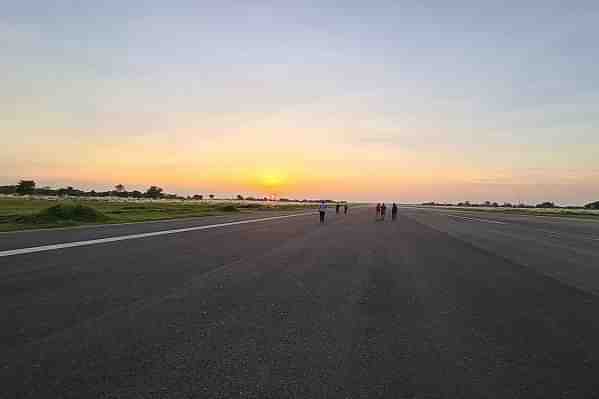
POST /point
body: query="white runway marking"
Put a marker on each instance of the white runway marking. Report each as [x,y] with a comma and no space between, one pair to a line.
[477,219]
[52,247]
[553,233]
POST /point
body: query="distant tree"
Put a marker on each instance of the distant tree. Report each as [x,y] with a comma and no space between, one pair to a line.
[119,188]
[545,204]
[494,204]
[240,197]
[69,191]
[154,192]
[198,197]
[592,205]
[487,203]
[46,190]
[25,187]
[8,189]
[211,196]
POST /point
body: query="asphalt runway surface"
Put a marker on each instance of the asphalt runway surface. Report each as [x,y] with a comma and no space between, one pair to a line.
[438,304]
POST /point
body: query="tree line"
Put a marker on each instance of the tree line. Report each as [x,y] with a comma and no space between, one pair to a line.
[29,187]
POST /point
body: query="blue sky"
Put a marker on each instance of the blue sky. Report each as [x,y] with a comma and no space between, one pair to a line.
[447,100]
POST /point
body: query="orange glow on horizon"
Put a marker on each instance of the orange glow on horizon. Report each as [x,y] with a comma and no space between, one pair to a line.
[273,180]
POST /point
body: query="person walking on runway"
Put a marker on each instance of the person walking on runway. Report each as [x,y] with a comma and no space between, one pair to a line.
[337,208]
[394,211]
[322,210]
[378,211]
[383,211]
[345,208]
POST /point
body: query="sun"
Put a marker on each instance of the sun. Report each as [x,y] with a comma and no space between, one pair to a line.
[272,179]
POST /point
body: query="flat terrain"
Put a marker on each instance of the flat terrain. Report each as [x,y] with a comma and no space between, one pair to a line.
[436,304]
[20,213]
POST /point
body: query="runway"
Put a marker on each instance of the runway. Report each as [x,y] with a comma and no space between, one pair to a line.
[436,304]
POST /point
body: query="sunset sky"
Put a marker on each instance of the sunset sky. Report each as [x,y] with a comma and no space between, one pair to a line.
[358,100]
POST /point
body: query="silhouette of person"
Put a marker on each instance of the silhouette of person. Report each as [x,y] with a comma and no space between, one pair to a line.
[337,208]
[345,208]
[322,209]
[383,211]
[394,211]
[378,210]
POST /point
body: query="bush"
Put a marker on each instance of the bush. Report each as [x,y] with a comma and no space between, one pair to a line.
[66,213]
[251,206]
[592,205]
[229,208]
[546,204]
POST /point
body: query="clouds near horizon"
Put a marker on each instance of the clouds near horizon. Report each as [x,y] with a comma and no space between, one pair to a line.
[390,100]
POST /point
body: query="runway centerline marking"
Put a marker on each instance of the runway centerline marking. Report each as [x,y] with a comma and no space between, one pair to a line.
[477,219]
[72,244]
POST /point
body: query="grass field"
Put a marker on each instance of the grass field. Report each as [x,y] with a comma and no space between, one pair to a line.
[557,212]
[24,213]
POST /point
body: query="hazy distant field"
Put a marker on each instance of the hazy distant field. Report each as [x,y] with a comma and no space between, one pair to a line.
[580,213]
[24,213]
